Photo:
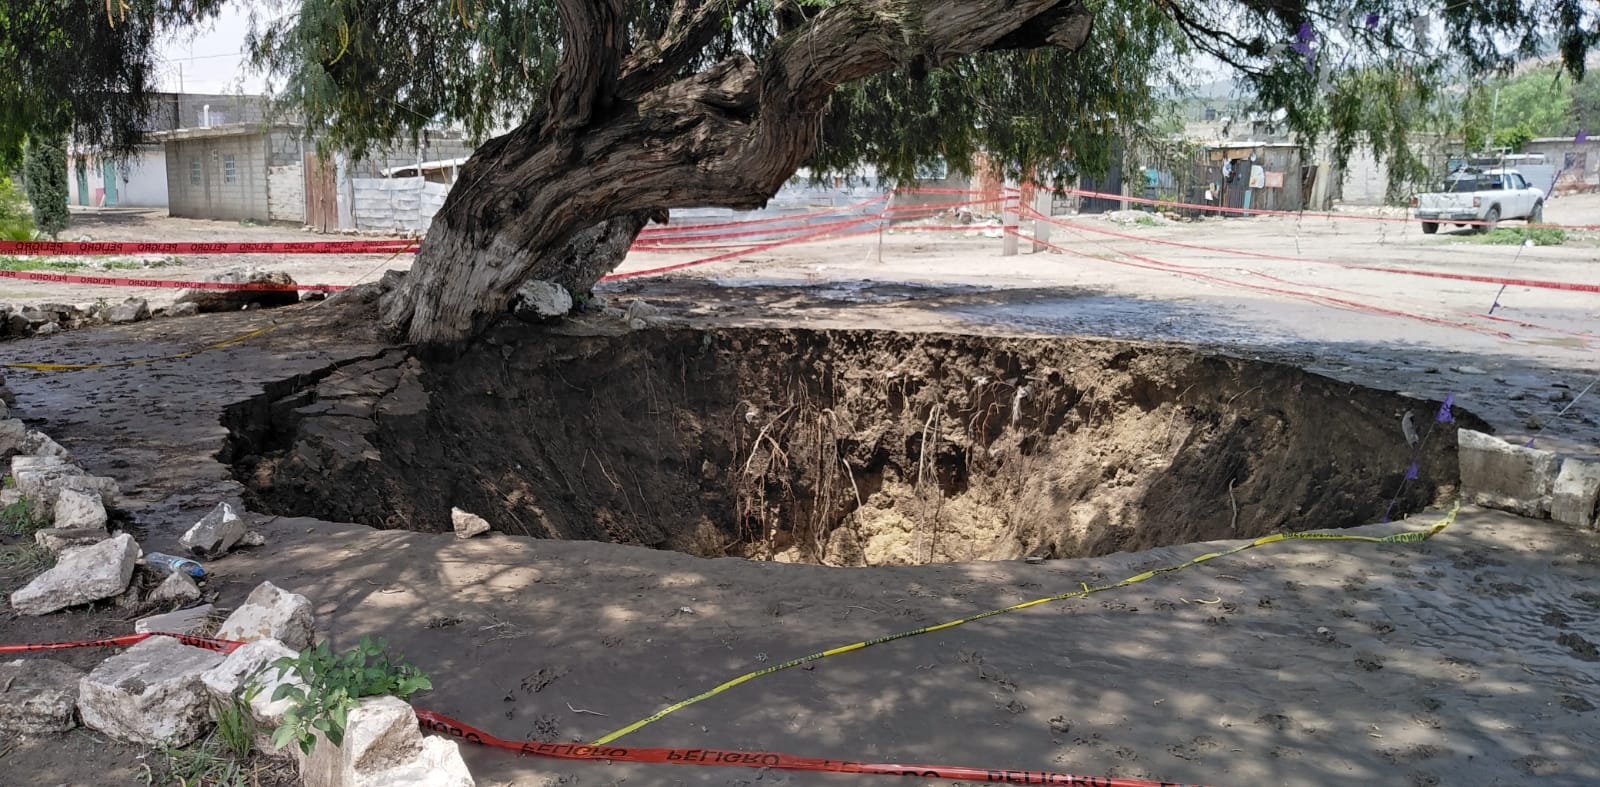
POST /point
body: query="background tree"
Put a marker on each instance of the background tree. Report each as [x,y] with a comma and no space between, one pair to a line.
[603,114]
[44,174]
[83,67]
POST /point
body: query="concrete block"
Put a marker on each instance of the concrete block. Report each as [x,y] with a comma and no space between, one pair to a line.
[236,672]
[79,509]
[383,747]
[270,613]
[183,621]
[38,696]
[150,693]
[1576,494]
[1497,474]
[215,533]
[80,576]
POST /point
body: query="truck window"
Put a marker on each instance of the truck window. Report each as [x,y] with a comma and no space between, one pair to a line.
[1516,181]
[1470,184]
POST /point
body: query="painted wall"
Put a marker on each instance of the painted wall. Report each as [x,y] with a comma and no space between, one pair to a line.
[202,184]
[140,182]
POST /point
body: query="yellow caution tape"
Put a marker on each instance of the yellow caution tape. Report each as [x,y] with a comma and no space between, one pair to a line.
[77,367]
[1397,538]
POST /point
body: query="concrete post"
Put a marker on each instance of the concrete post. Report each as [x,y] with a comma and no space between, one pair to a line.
[1042,201]
[1009,226]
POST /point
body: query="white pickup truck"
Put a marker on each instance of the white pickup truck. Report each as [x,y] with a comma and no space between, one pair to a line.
[1485,197]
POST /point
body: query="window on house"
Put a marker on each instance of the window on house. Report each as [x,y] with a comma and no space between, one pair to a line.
[194,172]
[230,169]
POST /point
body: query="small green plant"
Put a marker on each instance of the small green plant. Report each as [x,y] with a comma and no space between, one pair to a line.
[1515,236]
[333,684]
[212,762]
[21,518]
[1147,221]
[38,264]
[236,728]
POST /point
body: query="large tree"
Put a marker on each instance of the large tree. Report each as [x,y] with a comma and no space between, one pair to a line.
[620,110]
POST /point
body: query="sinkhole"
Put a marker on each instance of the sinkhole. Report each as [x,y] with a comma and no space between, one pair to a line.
[839,447]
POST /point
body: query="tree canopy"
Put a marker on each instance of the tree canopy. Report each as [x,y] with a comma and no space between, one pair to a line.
[83,67]
[599,115]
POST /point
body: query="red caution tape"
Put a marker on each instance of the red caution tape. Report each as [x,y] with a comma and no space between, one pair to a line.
[1150,263]
[218,645]
[1296,213]
[121,281]
[440,723]
[1534,283]
[82,248]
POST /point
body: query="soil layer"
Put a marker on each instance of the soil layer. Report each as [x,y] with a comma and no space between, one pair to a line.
[841,447]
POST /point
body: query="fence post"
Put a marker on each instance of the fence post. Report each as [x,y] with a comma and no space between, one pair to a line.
[1009,224]
[1043,199]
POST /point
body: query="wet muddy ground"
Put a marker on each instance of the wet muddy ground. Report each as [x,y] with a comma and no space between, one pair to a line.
[1465,659]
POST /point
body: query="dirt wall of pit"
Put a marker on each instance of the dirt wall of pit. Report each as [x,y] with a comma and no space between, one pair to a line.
[838,447]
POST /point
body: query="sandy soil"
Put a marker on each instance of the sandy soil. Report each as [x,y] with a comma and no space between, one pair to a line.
[1458,661]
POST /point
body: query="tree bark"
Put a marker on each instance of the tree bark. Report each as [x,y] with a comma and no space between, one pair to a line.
[622,140]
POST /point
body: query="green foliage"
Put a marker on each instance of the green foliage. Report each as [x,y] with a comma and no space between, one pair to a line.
[236,728]
[211,762]
[45,175]
[1147,221]
[15,221]
[334,684]
[1516,236]
[1513,139]
[84,67]
[39,264]
[22,518]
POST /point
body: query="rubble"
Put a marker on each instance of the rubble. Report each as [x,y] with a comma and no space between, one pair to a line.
[12,433]
[467,524]
[209,300]
[384,747]
[229,679]
[1497,474]
[215,533]
[184,621]
[183,310]
[150,693]
[178,588]
[130,310]
[1575,495]
[36,443]
[38,696]
[41,479]
[80,576]
[61,539]
[538,300]
[270,613]
[76,509]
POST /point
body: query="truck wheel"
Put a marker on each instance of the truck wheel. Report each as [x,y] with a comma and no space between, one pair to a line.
[1537,216]
[1490,219]
[1430,227]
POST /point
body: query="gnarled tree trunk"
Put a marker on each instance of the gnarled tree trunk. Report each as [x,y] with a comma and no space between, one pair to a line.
[625,138]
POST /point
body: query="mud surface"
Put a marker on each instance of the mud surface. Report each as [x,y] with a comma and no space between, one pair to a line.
[1457,661]
[839,447]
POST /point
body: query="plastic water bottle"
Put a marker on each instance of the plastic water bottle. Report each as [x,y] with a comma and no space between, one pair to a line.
[166,564]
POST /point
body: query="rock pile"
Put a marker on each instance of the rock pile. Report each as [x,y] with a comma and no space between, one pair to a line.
[163,692]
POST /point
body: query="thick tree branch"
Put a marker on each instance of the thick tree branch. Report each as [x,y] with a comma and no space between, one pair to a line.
[594,42]
[729,135]
[693,25]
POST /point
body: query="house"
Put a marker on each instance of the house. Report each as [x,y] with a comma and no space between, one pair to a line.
[235,171]
[141,180]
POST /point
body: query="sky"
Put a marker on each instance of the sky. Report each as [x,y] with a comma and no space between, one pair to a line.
[210,59]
